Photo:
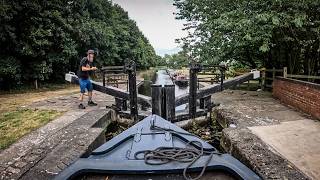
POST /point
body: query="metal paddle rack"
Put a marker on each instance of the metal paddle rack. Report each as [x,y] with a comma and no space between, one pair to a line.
[163,101]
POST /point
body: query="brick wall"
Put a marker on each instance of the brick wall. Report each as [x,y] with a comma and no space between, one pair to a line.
[301,95]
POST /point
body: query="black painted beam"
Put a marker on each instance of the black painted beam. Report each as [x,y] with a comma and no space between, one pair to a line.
[169,100]
[185,115]
[193,81]
[156,95]
[113,91]
[133,93]
[208,90]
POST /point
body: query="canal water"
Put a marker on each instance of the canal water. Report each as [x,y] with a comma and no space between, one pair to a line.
[162,78]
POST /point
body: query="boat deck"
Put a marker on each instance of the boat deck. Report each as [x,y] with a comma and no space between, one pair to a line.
[206,176]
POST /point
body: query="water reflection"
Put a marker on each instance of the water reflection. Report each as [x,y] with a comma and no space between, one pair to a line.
[163,78]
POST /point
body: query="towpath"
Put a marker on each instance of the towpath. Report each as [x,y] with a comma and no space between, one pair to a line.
[275,140]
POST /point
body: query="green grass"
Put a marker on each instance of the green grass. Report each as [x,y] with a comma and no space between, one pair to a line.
[42,88]
[17,123]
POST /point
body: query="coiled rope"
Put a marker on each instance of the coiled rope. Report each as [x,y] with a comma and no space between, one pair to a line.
[188,154]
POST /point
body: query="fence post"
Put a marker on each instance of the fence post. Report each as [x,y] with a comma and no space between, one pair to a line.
[131,70]
[194,68]
[285,72]
[263,79]
[222,72]
[156,99]
[170,101]
[103,78]
[36,83]
[273,73]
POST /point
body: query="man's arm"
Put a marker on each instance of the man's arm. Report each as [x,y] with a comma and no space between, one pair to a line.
[88,68]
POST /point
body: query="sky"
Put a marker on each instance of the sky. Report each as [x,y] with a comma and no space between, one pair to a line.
[156,20]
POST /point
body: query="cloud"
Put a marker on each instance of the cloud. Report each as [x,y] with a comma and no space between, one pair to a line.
[156,20]
[162,52]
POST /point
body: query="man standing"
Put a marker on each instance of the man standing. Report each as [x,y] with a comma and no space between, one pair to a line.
[86,67]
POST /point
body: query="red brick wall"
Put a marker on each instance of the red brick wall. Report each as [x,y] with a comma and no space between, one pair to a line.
[302,95]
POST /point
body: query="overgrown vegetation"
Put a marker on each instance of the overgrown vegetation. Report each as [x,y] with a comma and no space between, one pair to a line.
[210,131]
[148,75]
[15,124]
[115,128]
[254,33]
[41,40]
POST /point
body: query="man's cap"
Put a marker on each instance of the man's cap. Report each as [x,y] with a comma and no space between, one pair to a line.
[90,51]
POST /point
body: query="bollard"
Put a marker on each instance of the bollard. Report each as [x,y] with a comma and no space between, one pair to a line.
[170,102]
[156,99]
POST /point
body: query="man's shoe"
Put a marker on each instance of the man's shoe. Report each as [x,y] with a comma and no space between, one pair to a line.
[81,106]
[91,103]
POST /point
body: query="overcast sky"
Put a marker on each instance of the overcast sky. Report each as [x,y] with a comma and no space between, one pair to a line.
[156,20]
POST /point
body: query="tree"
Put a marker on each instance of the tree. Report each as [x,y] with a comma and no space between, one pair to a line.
[176,61]
[42,40]
[254,32]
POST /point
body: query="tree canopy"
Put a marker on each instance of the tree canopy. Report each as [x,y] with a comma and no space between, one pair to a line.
[269,33]
[176,61]
[44,39]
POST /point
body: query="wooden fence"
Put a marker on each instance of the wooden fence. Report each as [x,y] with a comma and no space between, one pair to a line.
[268,76]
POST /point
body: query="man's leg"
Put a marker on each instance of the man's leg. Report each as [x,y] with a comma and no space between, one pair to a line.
[82,84]
[90,89]
[81,97]
[90,95]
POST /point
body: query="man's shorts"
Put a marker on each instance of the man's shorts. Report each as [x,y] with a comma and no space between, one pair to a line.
[85,84]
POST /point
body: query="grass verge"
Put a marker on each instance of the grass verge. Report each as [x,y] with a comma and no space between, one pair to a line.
[17,123]
[42,88]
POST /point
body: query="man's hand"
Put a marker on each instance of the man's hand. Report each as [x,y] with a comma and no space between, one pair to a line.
[93,68]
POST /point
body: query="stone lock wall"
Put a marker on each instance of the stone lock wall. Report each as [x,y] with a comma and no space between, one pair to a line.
[302,95]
